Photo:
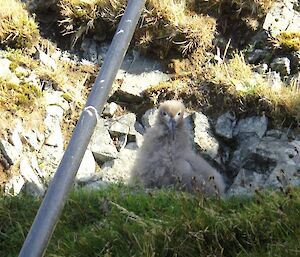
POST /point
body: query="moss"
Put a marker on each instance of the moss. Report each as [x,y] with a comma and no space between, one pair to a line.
[289,40]
[17,28]
[14,97]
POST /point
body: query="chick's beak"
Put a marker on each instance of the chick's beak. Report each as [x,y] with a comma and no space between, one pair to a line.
[171,126]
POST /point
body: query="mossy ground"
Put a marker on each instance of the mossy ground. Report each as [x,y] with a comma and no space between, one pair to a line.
[121,221]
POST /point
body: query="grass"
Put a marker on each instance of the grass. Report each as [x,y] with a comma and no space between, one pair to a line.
[166,24]
[17,28]
[121,221]
[242,82]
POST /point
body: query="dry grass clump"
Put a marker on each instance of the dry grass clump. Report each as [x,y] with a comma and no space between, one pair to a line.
[256,8]
[167,24]
[17,28]
[242,83]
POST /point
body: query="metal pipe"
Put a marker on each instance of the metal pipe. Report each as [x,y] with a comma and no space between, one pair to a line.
[48,214]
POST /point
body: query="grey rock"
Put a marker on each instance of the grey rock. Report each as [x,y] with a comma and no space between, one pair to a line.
[96,185]
[281,65]
[266,162]
[140,74]
[110,109]
[134,85]
[14,186]
[87,168]
[261,68]
[90,51]
[34,185]
[49,157]
[46,59]
[148,119]
[53,132]
[225,125]
[204,139]
[101,144]
[247,182]
[119,170]
[9,152]
[252,125]
[33,138]
[283,176]
[257,55]
[56,98]
[123,125]
[282,16]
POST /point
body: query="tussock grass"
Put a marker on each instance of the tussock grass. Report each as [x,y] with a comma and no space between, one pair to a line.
[120,221]
[17,28]
[241,82]
[167,24]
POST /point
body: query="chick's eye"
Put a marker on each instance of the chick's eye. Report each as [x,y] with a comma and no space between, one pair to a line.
[178,113]
[164,113]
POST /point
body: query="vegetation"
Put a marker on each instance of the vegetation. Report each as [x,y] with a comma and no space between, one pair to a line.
[17,28]
[121,221]
[289,40]
[166,24]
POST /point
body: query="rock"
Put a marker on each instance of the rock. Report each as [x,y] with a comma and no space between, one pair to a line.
[14,185]
[49,157]
[123,125]
[282,16]
[134,85]
[90,51]
[32,138]
[204,139]
[102,145]
[96,185]
[34,185]
[140,75]
[225,125]
[9,152]
[87,168]
[46,60]
[252,125]
[247,182]
[257,55]
[266,162]
[284,175]
[119,170]
[281,65]
[5,72]
[53,133]
[261,68]
[110,109]
[56,98]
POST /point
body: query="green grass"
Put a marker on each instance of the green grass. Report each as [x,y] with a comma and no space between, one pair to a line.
[120,221]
